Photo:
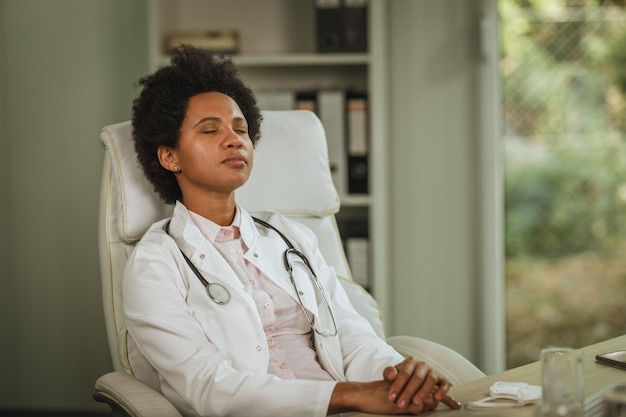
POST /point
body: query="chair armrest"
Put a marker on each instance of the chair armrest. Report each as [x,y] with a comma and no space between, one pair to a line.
[447,362]
[128,396]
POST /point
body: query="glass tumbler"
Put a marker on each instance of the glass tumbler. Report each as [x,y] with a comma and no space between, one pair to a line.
[614,401]
[562,382]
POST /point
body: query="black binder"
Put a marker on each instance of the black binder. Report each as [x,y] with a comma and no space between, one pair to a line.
[355,26]
[357,136]
[341,25]
[307,100]
[329,25]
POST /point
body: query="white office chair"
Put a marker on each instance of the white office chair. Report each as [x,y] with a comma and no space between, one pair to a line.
[290,175]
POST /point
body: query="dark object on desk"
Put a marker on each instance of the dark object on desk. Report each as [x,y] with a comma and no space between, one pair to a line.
[617,359]
[615,401]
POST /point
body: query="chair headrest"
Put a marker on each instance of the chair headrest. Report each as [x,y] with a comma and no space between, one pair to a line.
[290,174]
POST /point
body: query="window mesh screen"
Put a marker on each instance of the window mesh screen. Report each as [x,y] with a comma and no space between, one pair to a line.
[563,74]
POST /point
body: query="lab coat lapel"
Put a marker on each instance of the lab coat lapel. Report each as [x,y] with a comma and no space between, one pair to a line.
[270,262]
[213,266]
[271,265]
[201,252]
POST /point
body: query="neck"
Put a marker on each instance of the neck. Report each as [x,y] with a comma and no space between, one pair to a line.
[220,211]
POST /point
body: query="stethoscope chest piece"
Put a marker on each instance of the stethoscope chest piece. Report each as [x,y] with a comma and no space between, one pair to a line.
[218,293]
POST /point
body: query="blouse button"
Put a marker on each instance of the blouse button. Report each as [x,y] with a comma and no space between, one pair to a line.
[256,255]
[267,305]
[202,256]
[258,348]
[283,365]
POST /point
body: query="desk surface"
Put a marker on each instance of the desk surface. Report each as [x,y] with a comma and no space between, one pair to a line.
[597,377]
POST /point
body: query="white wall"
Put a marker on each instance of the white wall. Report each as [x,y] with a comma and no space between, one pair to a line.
[435,226]
[67,68]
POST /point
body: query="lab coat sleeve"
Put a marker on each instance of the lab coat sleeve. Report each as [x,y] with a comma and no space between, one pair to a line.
[193,374]
[365,354]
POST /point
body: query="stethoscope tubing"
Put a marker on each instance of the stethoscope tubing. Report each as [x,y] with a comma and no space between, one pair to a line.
[291,250]
[220,294]
[216,291]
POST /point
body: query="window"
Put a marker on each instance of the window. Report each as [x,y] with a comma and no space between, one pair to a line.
[564,109]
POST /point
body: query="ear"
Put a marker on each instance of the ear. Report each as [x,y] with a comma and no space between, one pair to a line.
[167,158]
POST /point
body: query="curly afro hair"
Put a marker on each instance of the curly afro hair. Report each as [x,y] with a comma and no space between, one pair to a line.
[160,108]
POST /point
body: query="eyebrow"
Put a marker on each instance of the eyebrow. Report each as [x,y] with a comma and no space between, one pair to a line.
[215,119]
[205,119]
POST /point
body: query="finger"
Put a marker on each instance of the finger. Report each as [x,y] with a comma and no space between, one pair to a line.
[418,388]
[441,393]
[415,409]
[442,388]
[405,369]
[430,403]
[429,381]
[390,373]
[451,402]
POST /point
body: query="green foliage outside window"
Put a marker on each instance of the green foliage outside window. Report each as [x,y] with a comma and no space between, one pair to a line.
[563,72]
[564,99]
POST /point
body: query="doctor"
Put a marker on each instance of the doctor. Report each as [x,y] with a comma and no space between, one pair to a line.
[215,322]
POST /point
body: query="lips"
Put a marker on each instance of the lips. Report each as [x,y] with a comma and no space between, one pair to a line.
[236,160]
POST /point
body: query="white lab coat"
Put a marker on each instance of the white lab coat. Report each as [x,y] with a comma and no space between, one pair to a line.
[210,359]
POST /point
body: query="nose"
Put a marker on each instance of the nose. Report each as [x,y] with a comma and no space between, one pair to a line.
[233,139]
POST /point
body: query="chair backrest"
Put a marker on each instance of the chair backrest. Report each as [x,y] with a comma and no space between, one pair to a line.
[290,175]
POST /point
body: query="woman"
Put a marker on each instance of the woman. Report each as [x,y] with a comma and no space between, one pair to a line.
[249,346]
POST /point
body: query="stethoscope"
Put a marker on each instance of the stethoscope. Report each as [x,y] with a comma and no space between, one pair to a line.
[220,294]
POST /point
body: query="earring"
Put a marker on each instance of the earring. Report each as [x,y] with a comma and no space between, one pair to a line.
[176,168]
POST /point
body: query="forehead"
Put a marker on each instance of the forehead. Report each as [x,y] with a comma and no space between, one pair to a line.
[212,104]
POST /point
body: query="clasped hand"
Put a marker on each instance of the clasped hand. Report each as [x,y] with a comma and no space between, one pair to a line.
[416,388]
[410,387]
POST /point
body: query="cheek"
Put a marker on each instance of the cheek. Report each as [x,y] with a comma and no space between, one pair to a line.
[251,155]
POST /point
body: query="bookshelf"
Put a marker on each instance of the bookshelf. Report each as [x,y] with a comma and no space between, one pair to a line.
[278,52]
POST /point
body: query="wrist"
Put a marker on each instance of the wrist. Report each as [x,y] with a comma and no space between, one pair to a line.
[344,398]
